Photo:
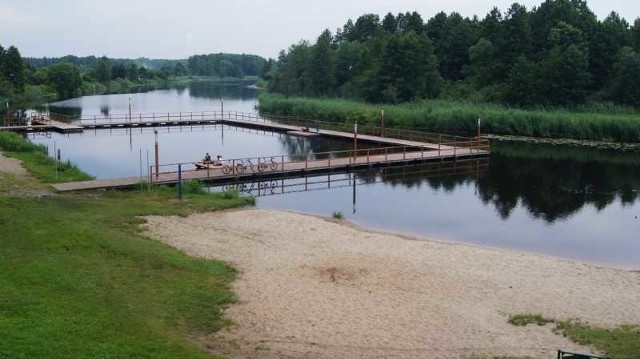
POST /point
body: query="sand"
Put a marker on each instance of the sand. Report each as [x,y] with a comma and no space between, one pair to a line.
[311,287]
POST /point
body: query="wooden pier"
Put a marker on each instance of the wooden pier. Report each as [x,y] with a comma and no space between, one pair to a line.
[44,124]
[395,147]
[282,167]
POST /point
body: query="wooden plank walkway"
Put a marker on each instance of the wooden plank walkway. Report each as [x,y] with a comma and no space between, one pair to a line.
[385,141]
[233,119]
[216,174]
[59,126]
[254,124]
[42,126]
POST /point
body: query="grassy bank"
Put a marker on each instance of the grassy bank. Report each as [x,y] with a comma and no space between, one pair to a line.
[35,160]
[618,343]
[607,124]
[80,280]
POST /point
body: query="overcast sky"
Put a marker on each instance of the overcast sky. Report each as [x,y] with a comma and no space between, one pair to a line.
[178,29]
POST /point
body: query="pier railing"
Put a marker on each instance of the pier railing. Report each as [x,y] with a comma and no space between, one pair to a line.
[322,160]
[363,128]
[261,187]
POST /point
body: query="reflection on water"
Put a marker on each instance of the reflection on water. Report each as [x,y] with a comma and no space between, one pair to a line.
[409,176]
[572,202]
[555,182]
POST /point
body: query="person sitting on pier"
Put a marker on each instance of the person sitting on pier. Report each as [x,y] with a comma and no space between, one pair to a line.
[207,158]
[219,161]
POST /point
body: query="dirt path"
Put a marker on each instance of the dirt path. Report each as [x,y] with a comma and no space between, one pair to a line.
[16,181]
[313,288]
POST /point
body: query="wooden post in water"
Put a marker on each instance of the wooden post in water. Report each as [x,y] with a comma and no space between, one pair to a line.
[382,122]
[355,139]
[478,144]
[6,115]
[180,181]
[157,153]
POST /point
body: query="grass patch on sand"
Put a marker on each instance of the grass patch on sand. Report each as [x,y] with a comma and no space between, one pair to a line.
[622,342]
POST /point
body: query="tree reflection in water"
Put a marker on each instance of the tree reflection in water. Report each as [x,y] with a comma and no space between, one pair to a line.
[552,182]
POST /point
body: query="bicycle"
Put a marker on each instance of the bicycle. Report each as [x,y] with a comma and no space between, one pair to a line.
[273,164]
[227,168]
[241,166]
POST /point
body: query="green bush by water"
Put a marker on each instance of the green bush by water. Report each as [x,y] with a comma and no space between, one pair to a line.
[460,118]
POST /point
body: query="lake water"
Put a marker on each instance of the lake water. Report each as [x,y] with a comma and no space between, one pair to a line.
[571,202]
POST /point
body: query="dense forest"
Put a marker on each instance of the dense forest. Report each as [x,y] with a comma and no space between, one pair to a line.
[47,78]
[556,54]
[226,65]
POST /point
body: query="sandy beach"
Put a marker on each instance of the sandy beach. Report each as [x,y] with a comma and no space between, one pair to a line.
[311,287]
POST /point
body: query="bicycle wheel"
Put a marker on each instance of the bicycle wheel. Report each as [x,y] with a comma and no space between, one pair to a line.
[274,165]
[226,169]
[262,166]
[241,167]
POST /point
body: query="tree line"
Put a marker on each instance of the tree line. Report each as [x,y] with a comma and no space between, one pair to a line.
[226,65]
[70,75]
[556,54]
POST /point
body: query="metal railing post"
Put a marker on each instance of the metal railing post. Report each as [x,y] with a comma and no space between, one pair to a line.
[180,181]
[455,146]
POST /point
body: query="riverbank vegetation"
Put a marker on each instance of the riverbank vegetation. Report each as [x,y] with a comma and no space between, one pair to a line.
[79,279]
[37,161]
[609,123]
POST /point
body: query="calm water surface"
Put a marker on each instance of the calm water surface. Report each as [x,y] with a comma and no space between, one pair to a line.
[570,202]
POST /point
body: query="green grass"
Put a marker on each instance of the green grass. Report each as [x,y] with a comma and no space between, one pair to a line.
[617,343]
[80,280]
[458,117]
[338,215]
[522,320]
